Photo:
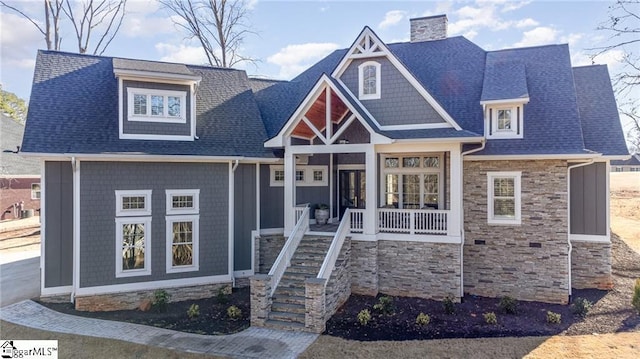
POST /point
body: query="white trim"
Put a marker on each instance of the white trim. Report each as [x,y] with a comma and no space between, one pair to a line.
[231,222]
[590,238]
[347,167]
[516,122]
[195,243]
[75,168]
[608,199]
[194,193]
[148,117]
[258,207]
[146,221]
[271,231]
[51,291]
[417,126]
[309,180]
[532,157]
[43,227]
[243,273]
[39,191]
[139,157]
[517,192]
[130,136]
[20,176]
[120,107]
[152,76]
[128,287]
[418,238]
[371,96]
[420,171]
[514,101]
[120,194]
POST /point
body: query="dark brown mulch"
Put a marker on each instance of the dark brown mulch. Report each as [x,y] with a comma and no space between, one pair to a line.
[213,319]
[611,312]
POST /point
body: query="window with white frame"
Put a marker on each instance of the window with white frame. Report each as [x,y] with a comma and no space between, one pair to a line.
[504,197]
[305,175]
[183,230]
[413,181]
[35,191]
[369,81]
[504,121]
[156,105]
[133,233]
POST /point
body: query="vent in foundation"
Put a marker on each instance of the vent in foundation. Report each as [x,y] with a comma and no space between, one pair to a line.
[535,245]
[480,241]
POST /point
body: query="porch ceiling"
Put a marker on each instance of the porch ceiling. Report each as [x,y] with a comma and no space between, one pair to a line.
[317,115]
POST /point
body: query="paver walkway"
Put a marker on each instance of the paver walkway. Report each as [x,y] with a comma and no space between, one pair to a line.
[251,343]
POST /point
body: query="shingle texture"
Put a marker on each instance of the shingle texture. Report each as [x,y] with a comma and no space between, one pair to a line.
[11,163]
[150,66]
[504,80]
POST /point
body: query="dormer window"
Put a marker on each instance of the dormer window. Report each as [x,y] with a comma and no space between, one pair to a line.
[504,121]
[369,80]
[156,105]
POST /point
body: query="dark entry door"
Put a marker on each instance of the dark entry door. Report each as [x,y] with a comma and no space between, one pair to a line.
[352,190]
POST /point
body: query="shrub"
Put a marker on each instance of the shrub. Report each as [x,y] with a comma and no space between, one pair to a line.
[508,305]
[384,305]
[636,296]
[449,306]
[490,318]
[234,312]
[364,317]
[580,307]
[423,319]
[553,318]
[193,311]
[160,300]
[222,296]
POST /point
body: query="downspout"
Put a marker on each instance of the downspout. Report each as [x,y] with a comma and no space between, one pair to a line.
[569,168]
[232,234]
[482,144]
[76,242]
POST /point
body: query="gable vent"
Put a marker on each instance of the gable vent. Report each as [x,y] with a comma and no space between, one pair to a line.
[429,28]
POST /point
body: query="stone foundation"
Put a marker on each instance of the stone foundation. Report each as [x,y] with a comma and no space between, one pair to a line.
[60,298]
[269,247]
[260,299]
[132,300]
[339,286]
[364,267]
[591,265]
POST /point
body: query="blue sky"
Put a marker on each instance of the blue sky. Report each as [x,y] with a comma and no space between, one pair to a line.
[292,35]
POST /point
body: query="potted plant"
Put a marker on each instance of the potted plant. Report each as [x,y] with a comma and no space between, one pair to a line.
[322,213]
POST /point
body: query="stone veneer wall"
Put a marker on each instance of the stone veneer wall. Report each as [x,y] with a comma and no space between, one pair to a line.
[268,249]
[419,269]
[339,286]
[364,267]
[591,265]
[132,300]
[510,261]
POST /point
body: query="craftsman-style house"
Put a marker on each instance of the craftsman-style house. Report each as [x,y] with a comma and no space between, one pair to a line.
[446,170]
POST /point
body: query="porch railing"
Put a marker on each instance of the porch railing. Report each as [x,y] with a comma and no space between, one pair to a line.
[298,210]
[356,219]
[412,221]
[336,246]
[284,258]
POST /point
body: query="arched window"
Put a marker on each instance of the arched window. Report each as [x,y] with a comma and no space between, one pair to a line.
[369,80]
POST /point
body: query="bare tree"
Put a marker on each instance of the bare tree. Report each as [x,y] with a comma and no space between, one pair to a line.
[219,26]
[96,15]
[52,13]
[623,26]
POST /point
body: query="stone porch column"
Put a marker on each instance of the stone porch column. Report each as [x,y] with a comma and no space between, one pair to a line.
[260,299]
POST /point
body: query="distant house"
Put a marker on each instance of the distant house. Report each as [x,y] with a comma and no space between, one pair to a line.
[447,170]
[19,176]
[630,165]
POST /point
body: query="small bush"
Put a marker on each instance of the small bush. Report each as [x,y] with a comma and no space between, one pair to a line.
[490,318]
[553,318]
[384,305]
[160,301]
[194,311]
[508,305]
[222,297]
[364,317]
[423,319]
[448,305]
[580,307]
[234,312]
[636,296]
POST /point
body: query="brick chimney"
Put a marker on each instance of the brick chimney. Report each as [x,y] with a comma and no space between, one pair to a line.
[429,28]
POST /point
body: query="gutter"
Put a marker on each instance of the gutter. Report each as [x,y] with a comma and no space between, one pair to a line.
[137,157]
[232,235]
[75,280]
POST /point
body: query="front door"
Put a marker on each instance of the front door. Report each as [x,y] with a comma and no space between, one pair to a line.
[352,190]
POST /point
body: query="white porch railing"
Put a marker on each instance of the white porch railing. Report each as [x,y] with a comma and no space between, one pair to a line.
[336,246]
[284,258]
[412,221]
[357,220]
[298,210]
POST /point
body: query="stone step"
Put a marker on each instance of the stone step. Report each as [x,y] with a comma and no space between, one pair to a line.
[287,317]
[292,283]
[282,291]
[288,307]
[310,270]
[289,299]
[310,256]
[296,276]
[278,324]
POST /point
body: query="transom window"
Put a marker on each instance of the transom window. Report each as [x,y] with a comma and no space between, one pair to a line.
[157,105]
[133,203]
[503,197]
[305,175]
[182,227]
[369,80]
[413,182]
[504,122]
[133,233]
[183,201]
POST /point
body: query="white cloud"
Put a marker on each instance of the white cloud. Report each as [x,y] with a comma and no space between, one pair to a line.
[514,5]
[19,41]
[612,58]
[470,34]
[293,59]
[181,53]
[144,20]
[251,4]
[541,35]
[572,39]
[391,18]
[486,14]
[528,22]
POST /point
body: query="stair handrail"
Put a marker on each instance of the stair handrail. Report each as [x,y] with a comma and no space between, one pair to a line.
[284,258]
[330,259]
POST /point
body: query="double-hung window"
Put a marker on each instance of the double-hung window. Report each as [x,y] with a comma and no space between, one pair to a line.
[183,229]
[35,191]
[504,121]
[413,182]
[133,233]
[504,198]
[149,105]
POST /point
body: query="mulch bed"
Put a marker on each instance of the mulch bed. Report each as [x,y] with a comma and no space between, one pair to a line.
[213,319]
[611,312]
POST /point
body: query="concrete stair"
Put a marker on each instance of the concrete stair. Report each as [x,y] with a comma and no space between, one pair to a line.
[288,301]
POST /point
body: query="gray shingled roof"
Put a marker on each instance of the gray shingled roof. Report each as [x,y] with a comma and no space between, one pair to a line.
[74,109]
[11,163]
[504,80]
[151,66]
[633,161]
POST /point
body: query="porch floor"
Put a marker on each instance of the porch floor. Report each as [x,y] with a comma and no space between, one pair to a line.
[329,227]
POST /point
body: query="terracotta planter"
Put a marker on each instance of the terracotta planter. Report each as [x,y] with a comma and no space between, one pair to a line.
[322,216]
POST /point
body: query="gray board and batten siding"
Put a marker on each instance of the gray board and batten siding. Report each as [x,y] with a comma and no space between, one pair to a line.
[589,199]
[58,233]
[244,215]
[155,127]
[98,183]
[399,104]
[271,201]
